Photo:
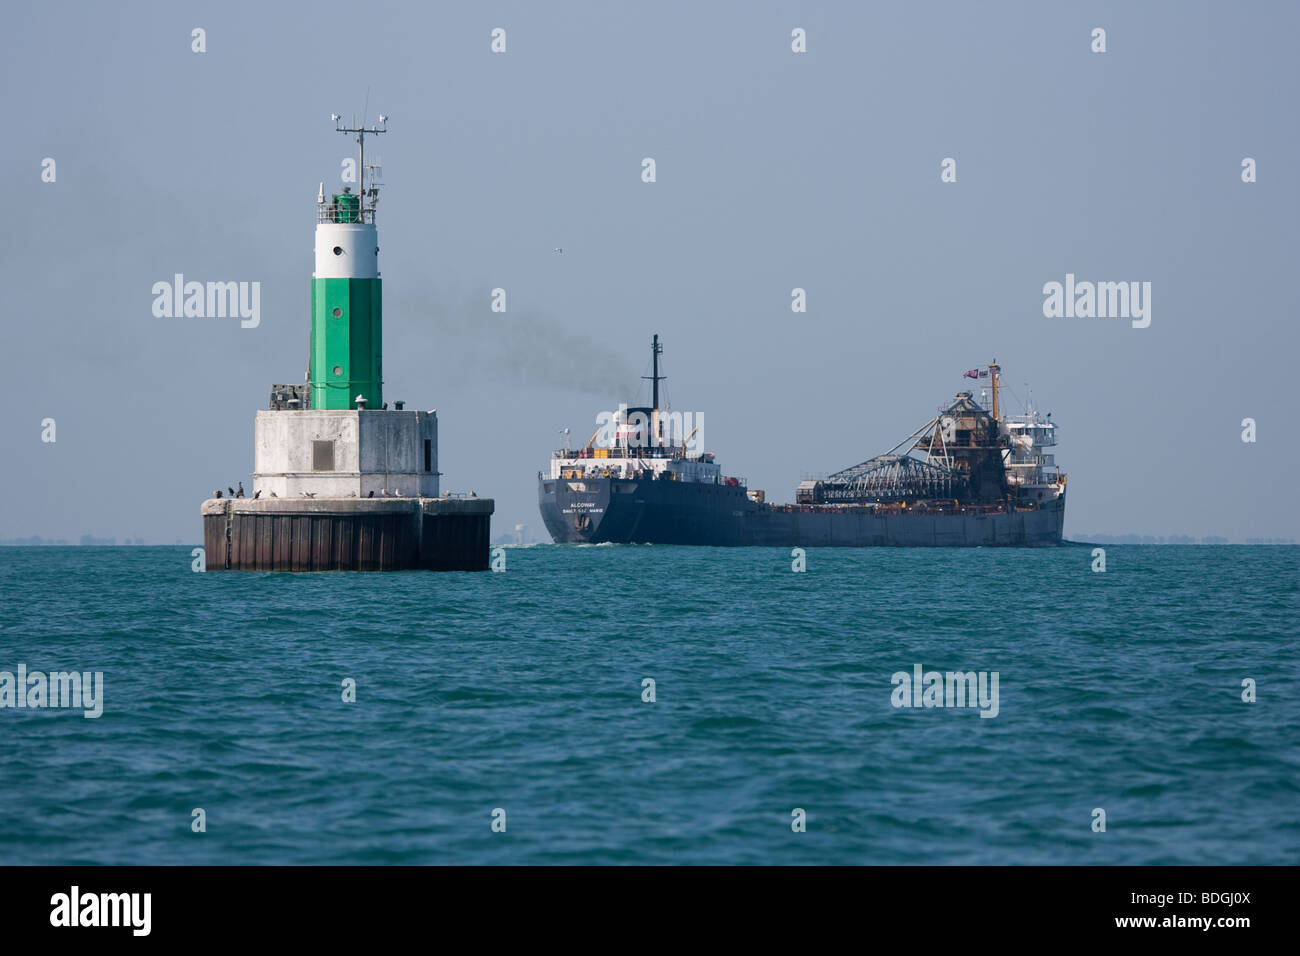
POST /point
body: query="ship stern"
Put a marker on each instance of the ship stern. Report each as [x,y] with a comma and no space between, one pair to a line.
[573,509]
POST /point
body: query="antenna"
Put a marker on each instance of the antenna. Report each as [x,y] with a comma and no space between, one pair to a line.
[361,132]
[376,167]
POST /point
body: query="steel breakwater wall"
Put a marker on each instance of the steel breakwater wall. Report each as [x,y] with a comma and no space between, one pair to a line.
[347,534]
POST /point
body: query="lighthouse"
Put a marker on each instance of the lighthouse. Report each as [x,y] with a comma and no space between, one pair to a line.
[340,480]
[346,306]
[346,291]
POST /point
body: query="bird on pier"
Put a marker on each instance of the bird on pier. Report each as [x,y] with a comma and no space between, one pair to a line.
[385,406]
[372,493]
[240,493]
[274,495]
[216,493]
[257,494]
[309,494]
[231,490]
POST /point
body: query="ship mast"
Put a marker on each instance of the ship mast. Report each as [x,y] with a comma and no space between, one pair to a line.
[655,351]
[994,370]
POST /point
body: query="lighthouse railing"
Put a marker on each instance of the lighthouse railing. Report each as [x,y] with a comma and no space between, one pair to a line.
[333,212]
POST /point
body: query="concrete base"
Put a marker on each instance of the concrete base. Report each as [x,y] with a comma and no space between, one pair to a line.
[347,534]
[332,453]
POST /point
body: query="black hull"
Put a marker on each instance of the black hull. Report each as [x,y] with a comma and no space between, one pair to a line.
[598,510]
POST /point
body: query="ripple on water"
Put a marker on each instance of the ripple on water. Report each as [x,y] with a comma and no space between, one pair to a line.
[524,692]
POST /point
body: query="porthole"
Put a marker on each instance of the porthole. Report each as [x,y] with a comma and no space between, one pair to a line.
[338,369]
[338,250]
[337,313]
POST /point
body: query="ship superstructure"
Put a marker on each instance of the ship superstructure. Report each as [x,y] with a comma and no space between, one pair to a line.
[640,441]
[1032,472]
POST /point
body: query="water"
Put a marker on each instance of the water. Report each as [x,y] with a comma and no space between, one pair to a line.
[523,691]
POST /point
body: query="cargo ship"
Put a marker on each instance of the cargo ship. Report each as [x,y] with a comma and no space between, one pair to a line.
[969,477]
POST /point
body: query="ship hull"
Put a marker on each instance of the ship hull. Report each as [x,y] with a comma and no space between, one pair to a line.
[599,510]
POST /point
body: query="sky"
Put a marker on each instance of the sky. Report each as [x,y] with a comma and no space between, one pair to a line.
[774,170]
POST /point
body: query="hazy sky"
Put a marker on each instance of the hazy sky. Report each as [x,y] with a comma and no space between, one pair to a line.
[775,170]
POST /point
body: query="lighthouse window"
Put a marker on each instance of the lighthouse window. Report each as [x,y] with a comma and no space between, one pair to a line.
[322,456]
[338,369]
[428,454]
[338,250]
[337,313]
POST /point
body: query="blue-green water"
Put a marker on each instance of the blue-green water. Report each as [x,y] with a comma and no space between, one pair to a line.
[523,691]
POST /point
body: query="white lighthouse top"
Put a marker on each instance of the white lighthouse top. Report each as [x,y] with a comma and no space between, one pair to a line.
[347,243]
[347,250]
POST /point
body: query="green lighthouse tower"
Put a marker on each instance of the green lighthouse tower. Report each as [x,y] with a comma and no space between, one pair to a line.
[346,352]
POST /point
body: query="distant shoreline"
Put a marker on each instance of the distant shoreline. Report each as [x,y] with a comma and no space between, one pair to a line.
[1082,540]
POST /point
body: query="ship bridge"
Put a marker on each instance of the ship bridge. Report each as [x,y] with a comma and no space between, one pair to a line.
[1031,472]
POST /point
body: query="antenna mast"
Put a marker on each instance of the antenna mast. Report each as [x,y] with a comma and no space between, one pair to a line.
[361,131]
